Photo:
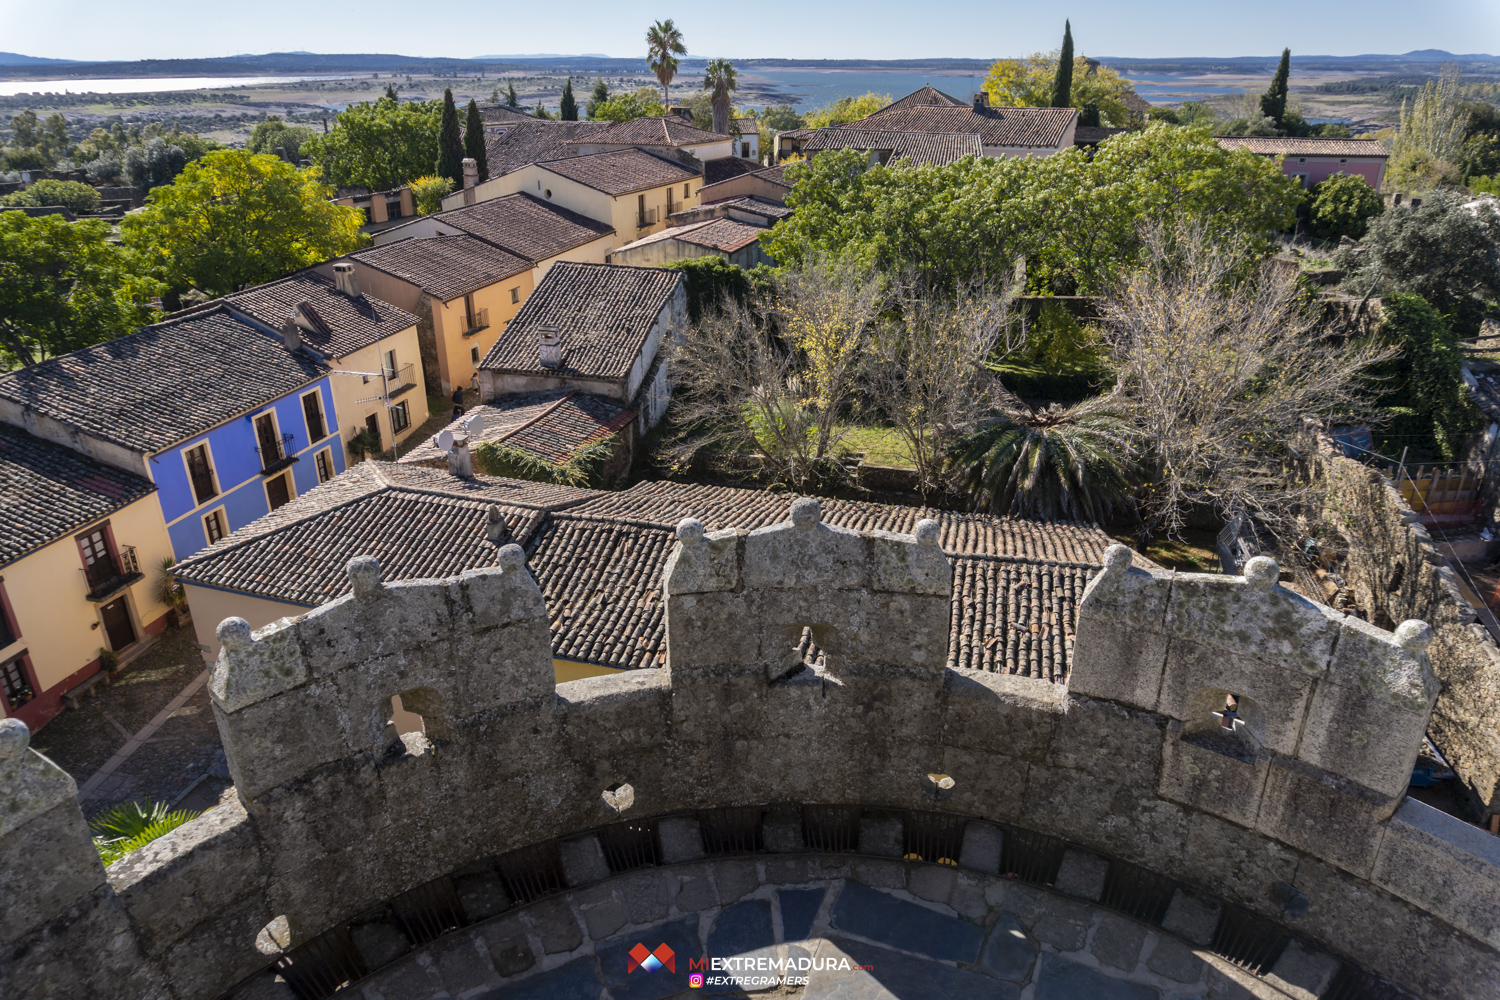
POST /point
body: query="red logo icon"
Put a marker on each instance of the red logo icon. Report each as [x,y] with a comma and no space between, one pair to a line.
[643,958]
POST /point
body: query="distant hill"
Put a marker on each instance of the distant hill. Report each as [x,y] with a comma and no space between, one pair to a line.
[1423,60]
[16,59]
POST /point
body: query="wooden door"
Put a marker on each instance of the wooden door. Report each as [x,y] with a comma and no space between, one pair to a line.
[277,491]
[117,624]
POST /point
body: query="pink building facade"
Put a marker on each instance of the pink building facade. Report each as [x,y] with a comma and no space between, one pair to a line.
[1312,160]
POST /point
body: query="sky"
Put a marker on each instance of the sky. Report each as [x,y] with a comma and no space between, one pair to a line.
[798,29]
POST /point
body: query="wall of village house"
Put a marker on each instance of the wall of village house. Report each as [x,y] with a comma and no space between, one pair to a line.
[48,429]
[333,817]
[60,631]
[1320,168]
[625,209]
[493,384]
[592,252]
[670,322]
[1397,571]
[740,187]
[357,398]
[456,360]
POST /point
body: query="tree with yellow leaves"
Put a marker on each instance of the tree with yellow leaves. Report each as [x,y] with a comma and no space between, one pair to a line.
[1029,82]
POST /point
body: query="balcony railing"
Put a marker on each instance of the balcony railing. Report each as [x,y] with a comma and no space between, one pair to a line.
[647,218]
[275,454]
[399,380]
[111,574]
[479,321]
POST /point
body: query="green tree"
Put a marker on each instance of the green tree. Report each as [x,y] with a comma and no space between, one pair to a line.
[719,80]
[1441,251]
[1343,205]
[450,142]
[1062,83]
[379,145]
[65,285]
[709,281]
[474,141]
[847,109]
[1030,82]
[568,107]
[390,92]
[597,97]
[1424,385]
[273,134]
[75,197]
[428,193]
[1076,462]
[639,103]
[663,45]
[236,218]
[1430,141]
[1273,101]
[25,129]
[540,112]
[511,100]
[780,118]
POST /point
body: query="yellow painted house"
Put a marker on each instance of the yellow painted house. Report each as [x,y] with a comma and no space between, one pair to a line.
[81,548]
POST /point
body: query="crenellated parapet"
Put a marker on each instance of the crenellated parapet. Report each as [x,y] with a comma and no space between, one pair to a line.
[408,743]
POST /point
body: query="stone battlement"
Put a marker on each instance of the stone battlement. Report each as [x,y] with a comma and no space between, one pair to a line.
[1220,731]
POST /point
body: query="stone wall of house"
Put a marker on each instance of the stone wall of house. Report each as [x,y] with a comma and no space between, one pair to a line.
[1293,813]
[1396,572]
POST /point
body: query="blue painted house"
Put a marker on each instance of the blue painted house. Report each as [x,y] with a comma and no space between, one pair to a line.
[229,418]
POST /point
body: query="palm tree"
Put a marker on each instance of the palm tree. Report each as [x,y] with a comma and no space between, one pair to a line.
[663,46]
[719,79]
[1077,462]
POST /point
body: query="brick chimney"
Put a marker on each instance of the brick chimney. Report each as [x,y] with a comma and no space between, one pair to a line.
[550,345]
[346,279]
[981,99]
[471,179]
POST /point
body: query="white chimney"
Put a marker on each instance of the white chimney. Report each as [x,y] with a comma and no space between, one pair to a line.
[291,335]
[550,345]
[495,528]
[460,462]
[346,280]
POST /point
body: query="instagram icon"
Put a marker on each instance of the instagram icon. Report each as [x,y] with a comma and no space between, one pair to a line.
[696,980]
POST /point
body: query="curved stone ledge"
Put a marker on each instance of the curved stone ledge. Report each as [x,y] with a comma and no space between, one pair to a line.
[343,816]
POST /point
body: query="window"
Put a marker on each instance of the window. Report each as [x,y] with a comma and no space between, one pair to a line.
[15,682]
[390,364]
[685,190]
[400,418]
[214,526]
[99,566]
[278,491]
[324,462]
[201,472]
[393,208]
[312,410]
[372,424]
[515,296]
[474,355]
[268,441]
[1301,180]
[468,312]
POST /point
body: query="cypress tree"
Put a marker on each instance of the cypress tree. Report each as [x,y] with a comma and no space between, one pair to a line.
[1273,101]
[569,110]
[1062,85]
[511,100]
[474,141]
[599,96]
[450,163]
[390,92]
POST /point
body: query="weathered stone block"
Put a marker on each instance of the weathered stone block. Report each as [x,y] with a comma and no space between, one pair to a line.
[602,911]
[808,554]
[379,942]
[1118,651]
[1002,713]
[1257,620]
[1191,917]
[694,889]
[1323,814]
[251,667]
[49,864]
[284,736]
[1215,782]
[986,784]
[583,860]
[1303,973]
[1064,923]
[1008,952]
[881,836]
[1199,674]
[1443,865]
[981,847]
[555,924]
[1117,942]
[681,839]
[907,564]
[1368,716]
[482,893]
[932,882]
[702,562]
[496,596]
[1171,958]
[409,614]
[1082,875]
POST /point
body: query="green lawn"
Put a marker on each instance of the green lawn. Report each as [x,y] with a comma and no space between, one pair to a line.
[1193,553]
[881,445]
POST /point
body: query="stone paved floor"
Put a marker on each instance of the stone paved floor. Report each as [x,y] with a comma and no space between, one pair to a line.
[186,746]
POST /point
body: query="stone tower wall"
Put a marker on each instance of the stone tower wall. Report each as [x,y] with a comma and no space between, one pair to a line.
[1295,812]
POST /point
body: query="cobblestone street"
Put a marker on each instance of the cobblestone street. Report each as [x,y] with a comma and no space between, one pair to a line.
[182,749]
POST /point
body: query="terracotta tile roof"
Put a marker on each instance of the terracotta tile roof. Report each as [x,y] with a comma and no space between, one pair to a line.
[919,147]
[501,114]
[550,425]
[533,141]
[343,325]
[48,491]
[603,313]
[776,174]
[526,226]
[1086,135]
[1312,146]
[925,95]
[727,235]
[444,266]
[725,167]
[151,389]
[298,552]
[622,171]
[662,130]
[1026,127]
[754,203]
